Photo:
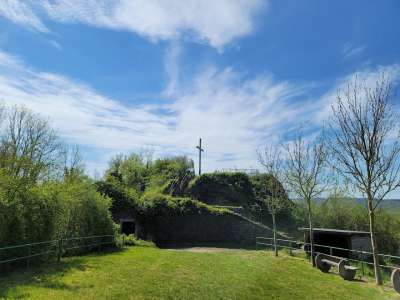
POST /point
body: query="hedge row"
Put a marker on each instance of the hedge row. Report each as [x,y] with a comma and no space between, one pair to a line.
[50,211]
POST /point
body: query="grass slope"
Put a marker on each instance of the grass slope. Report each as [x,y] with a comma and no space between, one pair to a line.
[151,273]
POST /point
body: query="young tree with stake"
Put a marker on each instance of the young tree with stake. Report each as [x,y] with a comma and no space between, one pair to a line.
[366,147]
[305,174]
[272,193]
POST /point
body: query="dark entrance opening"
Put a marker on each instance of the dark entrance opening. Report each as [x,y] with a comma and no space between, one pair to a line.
[333,240]
[127,227]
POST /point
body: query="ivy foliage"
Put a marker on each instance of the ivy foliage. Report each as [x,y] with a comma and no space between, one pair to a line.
[219,188]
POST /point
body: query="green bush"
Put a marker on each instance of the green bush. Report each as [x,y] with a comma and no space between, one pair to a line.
[50,211]
[132,240]
[171,176]
[164,175]
[164,206]
[27,215]
[223,189]
[130,171]
[44,194]
[123,199]
[263,184]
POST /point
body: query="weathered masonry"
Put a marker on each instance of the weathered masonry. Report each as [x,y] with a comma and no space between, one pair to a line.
[346,239]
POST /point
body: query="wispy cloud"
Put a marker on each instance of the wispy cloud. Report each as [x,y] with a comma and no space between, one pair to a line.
[171,65]
[367,77]
[350,50]
[55,44]
[214,22]
[233,114]
[21,12]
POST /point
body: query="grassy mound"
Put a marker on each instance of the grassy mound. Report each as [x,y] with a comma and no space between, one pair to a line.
[223,189]
[151,273]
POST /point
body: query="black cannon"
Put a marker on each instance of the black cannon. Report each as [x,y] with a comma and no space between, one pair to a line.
[396,280]
[324,262]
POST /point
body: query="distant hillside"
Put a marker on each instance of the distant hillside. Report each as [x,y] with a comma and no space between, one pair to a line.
[391,203]
[388,203]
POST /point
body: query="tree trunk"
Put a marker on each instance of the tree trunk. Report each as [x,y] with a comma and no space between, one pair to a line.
[377,269]
[311,234]
[274,229]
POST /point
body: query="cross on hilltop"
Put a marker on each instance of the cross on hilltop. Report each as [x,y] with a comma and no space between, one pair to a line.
[200,150]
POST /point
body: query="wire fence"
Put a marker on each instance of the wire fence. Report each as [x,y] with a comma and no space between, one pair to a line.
[52,250]
[360,257]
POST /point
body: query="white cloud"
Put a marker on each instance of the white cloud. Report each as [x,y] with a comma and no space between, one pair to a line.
[171,65]
[215,22]
[21,12]
[232,114]
[349,50]
[367,76]
[55,44]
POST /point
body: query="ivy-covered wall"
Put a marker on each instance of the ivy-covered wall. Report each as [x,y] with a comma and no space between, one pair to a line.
[166,220]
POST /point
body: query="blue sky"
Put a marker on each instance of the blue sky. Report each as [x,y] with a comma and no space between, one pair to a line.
[128,75]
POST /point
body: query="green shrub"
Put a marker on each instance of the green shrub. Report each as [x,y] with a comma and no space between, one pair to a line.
[130,171]
[132,240]
[89,212]
[223,189]
[164,175]
[159,205]
[171,176]
[52,210]
[123,199]
[263,184]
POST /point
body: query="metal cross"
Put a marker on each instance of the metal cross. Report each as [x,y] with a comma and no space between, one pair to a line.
[200,150]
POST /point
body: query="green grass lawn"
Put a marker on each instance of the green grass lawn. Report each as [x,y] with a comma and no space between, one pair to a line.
[151,273]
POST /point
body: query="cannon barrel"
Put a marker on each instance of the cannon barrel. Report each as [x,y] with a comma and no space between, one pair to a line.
[325,262]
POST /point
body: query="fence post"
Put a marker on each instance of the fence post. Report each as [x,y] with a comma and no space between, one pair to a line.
[59,252]
[29,254]
[290,248]
[362,262]
[331,251]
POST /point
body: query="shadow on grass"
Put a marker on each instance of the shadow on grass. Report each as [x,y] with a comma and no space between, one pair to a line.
[47,275]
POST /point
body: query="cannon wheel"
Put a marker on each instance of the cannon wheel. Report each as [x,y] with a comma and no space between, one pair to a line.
[396,280]
[346,274]
[324,267]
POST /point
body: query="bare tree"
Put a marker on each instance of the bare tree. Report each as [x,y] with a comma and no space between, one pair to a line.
[72,162]
[305,174]
[273,194]
[29,148]
[366,152]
